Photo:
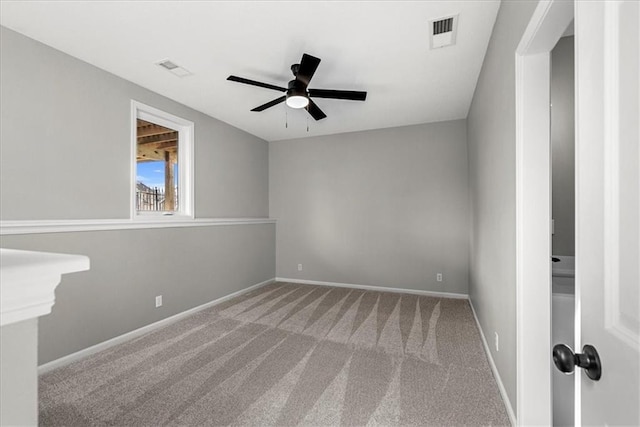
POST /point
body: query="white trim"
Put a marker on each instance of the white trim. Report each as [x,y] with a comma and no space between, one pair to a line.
[533,210]
[494,369]
[186,178]
[533,240]
[579,27]
[375,288]
[75,225]
[546,26]
[612,319]
[66,360]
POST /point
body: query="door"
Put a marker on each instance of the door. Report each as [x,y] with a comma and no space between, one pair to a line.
[607,208]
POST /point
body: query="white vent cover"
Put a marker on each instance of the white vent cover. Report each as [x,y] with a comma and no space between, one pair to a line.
[173,68]
[443,31]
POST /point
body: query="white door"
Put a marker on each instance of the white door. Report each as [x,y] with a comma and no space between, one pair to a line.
[608,207]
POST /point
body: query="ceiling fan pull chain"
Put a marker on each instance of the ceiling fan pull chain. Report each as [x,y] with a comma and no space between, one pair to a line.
[286,119]
[307,123]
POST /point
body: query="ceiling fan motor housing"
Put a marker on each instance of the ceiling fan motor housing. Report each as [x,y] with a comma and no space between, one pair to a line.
[296,88]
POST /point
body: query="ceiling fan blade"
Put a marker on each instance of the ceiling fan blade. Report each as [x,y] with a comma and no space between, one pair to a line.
[352,95]
[315,111]
[308,67]
[255,83]
[270,104]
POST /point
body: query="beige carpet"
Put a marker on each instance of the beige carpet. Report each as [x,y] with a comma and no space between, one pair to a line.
[288,354]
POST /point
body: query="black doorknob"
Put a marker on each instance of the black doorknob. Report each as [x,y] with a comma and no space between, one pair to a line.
[566,360]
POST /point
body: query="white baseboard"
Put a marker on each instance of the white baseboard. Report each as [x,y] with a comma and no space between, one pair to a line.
[63,361]
[375,288]
[496,374]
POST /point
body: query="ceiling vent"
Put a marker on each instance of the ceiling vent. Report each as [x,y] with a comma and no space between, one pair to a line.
[443,31]
[174,68]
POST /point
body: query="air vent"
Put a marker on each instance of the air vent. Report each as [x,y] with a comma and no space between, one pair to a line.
[173,68]
[442,26]
[443,31]
[168,65]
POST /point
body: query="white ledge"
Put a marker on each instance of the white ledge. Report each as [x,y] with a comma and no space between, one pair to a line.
[28,281]
[66,226]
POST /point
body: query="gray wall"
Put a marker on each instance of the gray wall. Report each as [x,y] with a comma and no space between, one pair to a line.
[64,154]
[66,142]
[562,145]
[386,207]
[492,173]
[187,266]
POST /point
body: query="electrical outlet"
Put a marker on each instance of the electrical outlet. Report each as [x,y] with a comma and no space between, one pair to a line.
[497,342]
[299,267]
[159,301]
[439,277]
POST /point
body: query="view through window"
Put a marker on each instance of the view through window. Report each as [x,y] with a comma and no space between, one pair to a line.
[156,168]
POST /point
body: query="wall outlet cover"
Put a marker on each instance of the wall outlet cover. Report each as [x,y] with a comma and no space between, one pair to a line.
[159,301]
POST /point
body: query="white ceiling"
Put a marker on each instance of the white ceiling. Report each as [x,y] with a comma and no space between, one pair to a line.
[379,47]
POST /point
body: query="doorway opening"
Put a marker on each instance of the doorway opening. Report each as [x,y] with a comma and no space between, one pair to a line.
[563,219]
[533,210]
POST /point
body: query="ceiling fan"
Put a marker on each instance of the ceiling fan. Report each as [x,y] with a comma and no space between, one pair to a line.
[298,95]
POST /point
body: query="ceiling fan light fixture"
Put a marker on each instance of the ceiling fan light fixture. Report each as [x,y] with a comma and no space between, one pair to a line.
[297,101]
[297,96]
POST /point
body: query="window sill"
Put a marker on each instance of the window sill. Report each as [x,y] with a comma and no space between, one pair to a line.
[69,226]
[162,216]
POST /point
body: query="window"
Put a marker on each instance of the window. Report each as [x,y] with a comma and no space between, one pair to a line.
[162,164]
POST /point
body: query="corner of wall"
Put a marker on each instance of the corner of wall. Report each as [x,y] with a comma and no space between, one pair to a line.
[492,193]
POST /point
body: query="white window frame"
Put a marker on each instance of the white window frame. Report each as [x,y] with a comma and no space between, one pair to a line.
[185,129]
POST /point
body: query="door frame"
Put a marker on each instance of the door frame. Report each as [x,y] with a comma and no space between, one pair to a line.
[533,210]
